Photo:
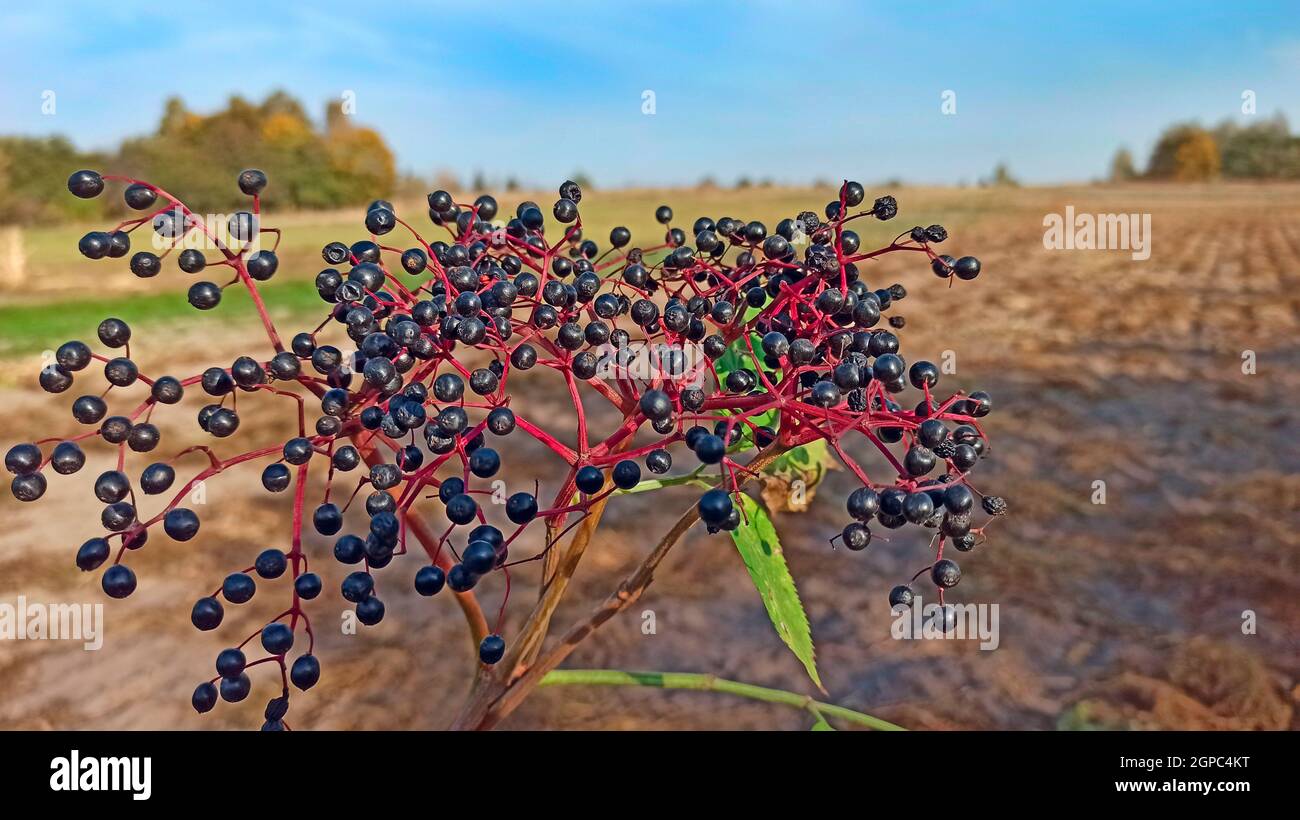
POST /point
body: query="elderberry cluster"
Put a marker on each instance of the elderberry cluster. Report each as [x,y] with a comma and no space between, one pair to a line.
[774,339]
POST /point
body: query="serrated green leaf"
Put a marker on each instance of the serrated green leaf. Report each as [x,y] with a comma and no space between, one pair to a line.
[759,547]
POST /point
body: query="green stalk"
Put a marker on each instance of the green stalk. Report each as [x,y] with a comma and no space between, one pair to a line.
[693,478]
[712,683]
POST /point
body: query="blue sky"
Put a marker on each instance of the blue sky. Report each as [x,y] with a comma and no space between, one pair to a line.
[791,91]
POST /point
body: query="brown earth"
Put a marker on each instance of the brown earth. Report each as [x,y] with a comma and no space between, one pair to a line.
[1126,614]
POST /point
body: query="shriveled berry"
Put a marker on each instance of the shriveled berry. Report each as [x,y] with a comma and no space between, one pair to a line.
[856,536]
[901,596]
[945,573]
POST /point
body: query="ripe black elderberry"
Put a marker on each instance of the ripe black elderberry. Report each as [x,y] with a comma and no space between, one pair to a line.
[305,672]
[370,611]
[430,580]
[238,588]
[492,648]
[181,524]
[119,581]
[207,614]
[715,506]
[271,563]
[86,184]
[204,697]
[233,690]
[92,554]
[277,638]
[307,586]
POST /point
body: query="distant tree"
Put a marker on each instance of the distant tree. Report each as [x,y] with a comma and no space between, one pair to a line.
[410,186]
[478,182]
[1185,153]
[1001,178]
[1122,168]
[445,179]
[512,184]
[27,164]
[1197,159]
[340,164]
[584,180]
[743,183]
[1262,150]
[175,117]
[362,161]
[334,114]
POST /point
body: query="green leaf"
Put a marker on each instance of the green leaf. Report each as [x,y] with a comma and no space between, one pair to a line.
[821,725]
[737,357]
[812,459]
[760,548]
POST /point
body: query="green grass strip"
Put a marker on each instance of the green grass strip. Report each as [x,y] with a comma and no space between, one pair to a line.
[42,326]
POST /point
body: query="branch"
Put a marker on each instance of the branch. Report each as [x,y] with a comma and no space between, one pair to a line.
[627,593]
[469,605]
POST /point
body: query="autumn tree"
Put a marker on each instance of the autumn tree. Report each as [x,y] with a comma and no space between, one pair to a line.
[1185,153]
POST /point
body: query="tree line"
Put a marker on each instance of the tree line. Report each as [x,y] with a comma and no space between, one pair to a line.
[1188,152]
[331,164]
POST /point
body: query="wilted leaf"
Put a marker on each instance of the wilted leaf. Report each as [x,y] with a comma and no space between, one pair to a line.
[790,482]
